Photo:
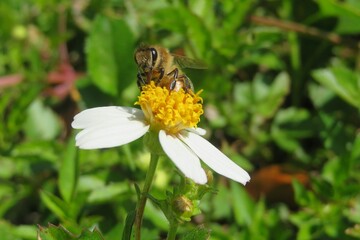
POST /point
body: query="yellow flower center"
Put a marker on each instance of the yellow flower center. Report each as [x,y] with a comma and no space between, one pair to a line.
[171,111]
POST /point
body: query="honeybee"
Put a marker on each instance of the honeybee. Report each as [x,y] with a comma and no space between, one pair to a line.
[157,64]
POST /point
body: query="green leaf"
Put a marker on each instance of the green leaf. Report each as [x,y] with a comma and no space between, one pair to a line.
[68,171]
[108,192]
[261,96]
[289,126]
[348,14]
[196,32]
[109,51]
[203,9]
[55,204]
[244,206]
[53,232]
[156,215]
[275,95]
[183,21]
[197,233]
[320,95]
[115,232]
[41,122]
[302,196]
[11,232]
[220,209]
[169,18]
[129,222]
[343,81]
[236,13]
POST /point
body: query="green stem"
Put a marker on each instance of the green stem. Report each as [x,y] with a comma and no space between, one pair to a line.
[143,197]
[172,230]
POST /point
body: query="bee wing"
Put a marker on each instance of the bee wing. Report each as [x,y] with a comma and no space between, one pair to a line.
[185,62]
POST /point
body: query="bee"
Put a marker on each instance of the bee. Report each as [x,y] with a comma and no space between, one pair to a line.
[157,64]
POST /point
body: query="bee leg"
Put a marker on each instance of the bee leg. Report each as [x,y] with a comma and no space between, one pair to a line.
[140,80]
[162,72]
[161,75]
[175,73]
[172,85]
[188,84]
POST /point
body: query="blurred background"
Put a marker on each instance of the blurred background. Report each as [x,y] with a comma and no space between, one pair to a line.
[281,98]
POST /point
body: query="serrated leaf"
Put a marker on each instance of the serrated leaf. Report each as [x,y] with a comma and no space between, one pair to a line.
[91,235]
[109,51]
[68,171]
[53,232]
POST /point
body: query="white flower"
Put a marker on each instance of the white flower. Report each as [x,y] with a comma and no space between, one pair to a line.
[106,127]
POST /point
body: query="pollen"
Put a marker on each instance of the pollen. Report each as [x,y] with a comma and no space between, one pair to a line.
[168,110]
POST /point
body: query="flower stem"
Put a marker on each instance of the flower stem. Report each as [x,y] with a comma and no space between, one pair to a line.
[172,230]
[143,197]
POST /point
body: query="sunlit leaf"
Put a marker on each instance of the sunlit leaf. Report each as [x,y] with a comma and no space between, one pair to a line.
[342,81]
[41,122]
[109,50]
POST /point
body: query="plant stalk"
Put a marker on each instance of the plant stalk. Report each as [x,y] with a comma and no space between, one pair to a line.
[172,230]
[143,197]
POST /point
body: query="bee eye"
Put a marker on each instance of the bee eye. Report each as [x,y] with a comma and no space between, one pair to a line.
[153,55]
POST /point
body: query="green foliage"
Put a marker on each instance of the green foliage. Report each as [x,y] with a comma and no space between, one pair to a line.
[60,233]
[109,49]
[197,233]
[281,89]
[342,80]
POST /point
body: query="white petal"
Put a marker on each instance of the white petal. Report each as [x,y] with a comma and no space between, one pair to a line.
[214,158]
[187,162]
[93,116]
[199,131]
[110,133]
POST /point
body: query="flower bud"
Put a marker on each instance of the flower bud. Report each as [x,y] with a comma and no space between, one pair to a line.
[183,207]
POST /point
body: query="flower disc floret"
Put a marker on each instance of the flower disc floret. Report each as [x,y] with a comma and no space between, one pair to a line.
[171,111]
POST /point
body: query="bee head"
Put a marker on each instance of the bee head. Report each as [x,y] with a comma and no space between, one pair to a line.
[145,58]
